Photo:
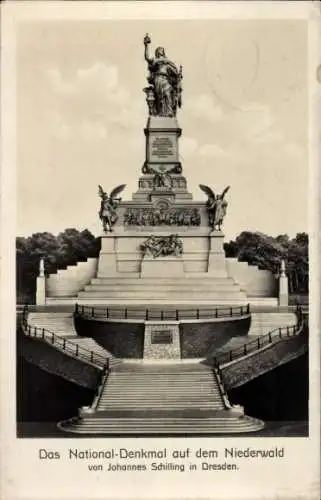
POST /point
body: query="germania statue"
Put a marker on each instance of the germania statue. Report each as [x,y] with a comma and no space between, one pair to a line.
[216,206]
[108,206]
[164,92]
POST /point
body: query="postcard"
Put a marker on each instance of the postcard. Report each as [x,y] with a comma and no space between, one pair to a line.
[160,250]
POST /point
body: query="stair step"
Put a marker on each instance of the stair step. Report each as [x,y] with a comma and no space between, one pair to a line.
[169,404]
[159,295]
[151,391]
[165,399]
[161,381]
[151,388]
[162,280]
[196,376]
[166,426]
[159,407]
[174,423]
[138,287]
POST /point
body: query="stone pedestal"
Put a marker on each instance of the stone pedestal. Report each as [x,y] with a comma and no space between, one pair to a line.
[162,267]
[86,411]
[162,158]
[41,291]
[283,291]
[162,141]
[107,264]
[161,340]
[216,256]
[283,286]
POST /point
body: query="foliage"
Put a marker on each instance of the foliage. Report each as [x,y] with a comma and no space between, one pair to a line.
[67,248]
[266,252]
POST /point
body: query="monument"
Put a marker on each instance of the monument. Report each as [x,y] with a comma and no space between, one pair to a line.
[162,241]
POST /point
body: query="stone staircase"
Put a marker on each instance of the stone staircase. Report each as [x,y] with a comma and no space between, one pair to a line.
[154,389]
[67,282]
[182,398]
[265,322]
[197,289]
[62,325]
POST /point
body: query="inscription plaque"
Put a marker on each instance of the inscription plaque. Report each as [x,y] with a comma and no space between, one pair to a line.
[162,337]
[162,147]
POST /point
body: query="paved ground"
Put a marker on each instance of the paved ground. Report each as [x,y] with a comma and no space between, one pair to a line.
[50,430]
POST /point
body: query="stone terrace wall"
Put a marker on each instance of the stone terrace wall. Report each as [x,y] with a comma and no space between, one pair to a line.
[202,339]
[254,281]
[242,371]
[68,282]
[53,361]
[123,340]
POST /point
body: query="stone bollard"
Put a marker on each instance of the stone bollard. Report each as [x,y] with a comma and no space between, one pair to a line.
[41,285]
[237,410]
[85,411]
[283,287]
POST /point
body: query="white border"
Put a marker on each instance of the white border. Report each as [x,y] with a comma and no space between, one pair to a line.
[22,476]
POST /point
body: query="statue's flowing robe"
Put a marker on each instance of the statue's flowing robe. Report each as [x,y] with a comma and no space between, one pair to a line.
[107,211]
[220,211]
[165,75]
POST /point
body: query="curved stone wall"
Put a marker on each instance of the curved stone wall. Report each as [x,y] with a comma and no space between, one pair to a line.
[53,361]
[241,371]
[121,339]
[200,340]
[125,339]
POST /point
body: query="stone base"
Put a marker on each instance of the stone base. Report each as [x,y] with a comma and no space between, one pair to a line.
[216,257]
[237,410]
[147,192]
[162,267]
[283,291]
[41,291]
[107,263]
[162,340]
[85,411]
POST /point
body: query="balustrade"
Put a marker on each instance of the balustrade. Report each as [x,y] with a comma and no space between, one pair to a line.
[162,315]
[257,344]
[66,345]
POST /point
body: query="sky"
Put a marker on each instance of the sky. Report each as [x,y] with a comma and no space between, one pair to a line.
[81,114]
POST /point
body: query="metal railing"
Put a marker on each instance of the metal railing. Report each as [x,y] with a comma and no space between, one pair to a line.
[247,348]
[71,348]
[107,313]
[220,383]
[100,386]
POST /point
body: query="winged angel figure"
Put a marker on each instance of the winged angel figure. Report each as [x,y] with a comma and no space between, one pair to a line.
[216,206]
[108,206]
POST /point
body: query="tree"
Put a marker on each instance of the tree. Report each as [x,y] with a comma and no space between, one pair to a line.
[69,247]
[267,252]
